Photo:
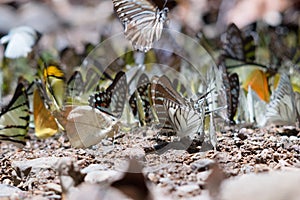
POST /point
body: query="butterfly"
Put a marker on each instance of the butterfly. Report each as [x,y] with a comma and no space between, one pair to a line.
[257,80]
[19,41]
[143,22]
[45,124]
[236,46]
[231,86]
[48,98]
[86,126]
[140,101]
[75,87]
[283,108]
[14,118]
[112,100]
[54,82]
[175,113]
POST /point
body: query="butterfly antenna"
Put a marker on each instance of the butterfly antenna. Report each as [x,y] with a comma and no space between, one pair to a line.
[166,1]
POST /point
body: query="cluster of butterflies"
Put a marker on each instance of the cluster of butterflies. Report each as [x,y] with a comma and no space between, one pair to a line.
[239,82]
[264,94]
[153,102]
[44,96]
[143,23]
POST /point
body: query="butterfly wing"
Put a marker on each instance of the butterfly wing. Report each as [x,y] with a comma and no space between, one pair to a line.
[282,109]
[140,100]
[161,87]
[143,22]
[19,41]
[297,103]
[86,126]
[233,94]
[180,87]
[14,118]
[257,80]
[174,112]
[184,120]
[233,43]
[44,123]
[112,100]
[54,80]
[75,85]
[237,47]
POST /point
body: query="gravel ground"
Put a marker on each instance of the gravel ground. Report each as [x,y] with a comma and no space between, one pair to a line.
[36,170]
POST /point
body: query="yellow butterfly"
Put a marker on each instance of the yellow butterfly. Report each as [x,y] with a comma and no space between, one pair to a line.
[48,98]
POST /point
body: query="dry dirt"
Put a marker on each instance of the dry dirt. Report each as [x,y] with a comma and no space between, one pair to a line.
[35,170]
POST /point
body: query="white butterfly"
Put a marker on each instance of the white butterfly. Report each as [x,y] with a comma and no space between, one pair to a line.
[143,22]
[86,126]
[19,41]
[284,106]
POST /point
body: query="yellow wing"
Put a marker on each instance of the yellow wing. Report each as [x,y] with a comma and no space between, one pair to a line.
[45,124]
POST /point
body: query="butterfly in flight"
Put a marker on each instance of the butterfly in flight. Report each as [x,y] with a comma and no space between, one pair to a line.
[143,22]
[112,100]
[175,113]
[14,118]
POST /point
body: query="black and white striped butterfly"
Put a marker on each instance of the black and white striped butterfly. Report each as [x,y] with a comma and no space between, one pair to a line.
[175,113]
[143,22]
[112,100]
[284,106]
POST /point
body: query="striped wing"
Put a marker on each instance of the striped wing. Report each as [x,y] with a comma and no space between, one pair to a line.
[14,118]
[140,100]
[143,22]
[184,120]
[161,88]
[112,100]
[282,109]
[176,114]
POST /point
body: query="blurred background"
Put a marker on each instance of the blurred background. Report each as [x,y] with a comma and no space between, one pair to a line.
[73,23]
